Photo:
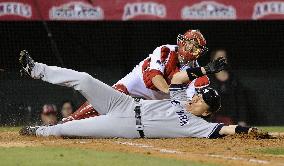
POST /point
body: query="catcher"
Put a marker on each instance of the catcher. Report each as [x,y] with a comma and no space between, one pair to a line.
[122,116]
[152,77]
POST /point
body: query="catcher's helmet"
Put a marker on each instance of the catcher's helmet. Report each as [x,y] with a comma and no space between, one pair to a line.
[193,37]
[211,98]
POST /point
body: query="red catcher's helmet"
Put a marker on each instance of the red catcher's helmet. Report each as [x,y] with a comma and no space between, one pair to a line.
[199,45]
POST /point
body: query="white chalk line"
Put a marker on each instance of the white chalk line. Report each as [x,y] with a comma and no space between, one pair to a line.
[150,147]
[240,158]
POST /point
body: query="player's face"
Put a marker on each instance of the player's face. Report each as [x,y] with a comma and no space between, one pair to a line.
[67,110]
[220,53]
[197,106]
[49,119]
[191,47]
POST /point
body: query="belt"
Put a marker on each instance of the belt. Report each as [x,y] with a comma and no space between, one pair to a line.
[139,126]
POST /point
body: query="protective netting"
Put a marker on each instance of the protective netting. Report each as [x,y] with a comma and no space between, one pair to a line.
[109,50]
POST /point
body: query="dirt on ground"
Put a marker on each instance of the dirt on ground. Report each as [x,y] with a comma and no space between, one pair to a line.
[230,150]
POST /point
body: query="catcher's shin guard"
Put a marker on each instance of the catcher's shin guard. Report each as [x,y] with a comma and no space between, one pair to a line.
[26,62]
[86,110]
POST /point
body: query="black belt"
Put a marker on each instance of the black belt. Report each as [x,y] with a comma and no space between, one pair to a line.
[139,125]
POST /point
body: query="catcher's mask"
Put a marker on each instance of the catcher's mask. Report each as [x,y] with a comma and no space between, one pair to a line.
[211,98]
[191,45]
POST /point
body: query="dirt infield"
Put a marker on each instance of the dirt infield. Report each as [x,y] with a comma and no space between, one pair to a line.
[237,150]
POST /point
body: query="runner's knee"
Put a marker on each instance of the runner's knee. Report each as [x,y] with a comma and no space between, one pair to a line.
[85,81]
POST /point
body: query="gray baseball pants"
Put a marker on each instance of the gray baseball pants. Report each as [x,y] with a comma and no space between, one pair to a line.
[117,117]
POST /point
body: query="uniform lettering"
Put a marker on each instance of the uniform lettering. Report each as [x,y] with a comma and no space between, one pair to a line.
[175,102]
[183,119]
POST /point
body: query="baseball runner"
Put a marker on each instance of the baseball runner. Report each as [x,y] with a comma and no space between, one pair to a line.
[122,116]
[151,78]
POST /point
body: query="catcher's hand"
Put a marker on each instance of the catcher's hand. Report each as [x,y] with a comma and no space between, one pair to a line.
[215,66]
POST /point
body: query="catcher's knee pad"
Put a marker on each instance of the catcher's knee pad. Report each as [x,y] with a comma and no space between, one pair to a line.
[201,82]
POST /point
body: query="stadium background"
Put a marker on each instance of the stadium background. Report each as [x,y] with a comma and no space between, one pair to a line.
[108,50]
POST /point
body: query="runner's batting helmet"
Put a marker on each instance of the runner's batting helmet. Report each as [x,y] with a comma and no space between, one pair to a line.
[211,98]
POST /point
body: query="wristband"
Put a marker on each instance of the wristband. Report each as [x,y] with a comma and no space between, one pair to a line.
[194,73]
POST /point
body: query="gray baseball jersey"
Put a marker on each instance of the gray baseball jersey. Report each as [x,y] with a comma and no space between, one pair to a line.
[160,118]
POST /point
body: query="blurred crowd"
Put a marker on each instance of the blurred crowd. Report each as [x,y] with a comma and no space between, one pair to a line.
[234,108]
[68,112]
[50,115]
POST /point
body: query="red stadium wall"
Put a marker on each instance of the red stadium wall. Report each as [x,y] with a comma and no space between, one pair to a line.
[141,10]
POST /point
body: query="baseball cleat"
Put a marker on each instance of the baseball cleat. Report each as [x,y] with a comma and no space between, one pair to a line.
[28,130]
[26,62]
